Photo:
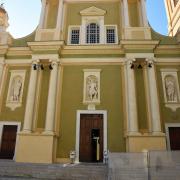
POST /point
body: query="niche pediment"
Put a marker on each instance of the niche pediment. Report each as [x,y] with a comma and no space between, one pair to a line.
[93,11]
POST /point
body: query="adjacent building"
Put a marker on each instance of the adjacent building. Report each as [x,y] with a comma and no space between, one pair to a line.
[173,15]
[93,77]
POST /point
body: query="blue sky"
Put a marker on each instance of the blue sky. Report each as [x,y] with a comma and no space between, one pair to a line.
[24,16]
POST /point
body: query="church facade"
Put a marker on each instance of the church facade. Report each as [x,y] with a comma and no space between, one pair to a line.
[93,78]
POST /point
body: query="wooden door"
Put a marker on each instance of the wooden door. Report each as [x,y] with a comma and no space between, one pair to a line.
[8,141]
[89,124]
[174,136]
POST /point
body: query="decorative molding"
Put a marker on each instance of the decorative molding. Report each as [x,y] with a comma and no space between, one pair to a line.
[93,11]
[171,88]
[91,92]
[15,90]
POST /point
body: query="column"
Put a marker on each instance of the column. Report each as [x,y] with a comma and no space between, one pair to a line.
[126,13]
[59,19]
[154,103]
[51,103]
[29,112]
[144,13]
[131,99]
[60,14]
[42,16]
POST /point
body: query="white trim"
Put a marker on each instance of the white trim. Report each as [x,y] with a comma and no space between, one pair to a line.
[9,102]
[173,73]
[79,112]
[167,125]
[92,19]
[113,26]
[18,124]
[96,74]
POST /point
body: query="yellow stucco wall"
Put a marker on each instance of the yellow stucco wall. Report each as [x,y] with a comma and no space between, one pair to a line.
[18,114]
[72,98]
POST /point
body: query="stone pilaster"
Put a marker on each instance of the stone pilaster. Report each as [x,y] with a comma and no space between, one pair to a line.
[29,112]
[131,99]
[126,13]
[59,20]
[51,104]
[2,63]
[42,16]
[154,99]
[144,13]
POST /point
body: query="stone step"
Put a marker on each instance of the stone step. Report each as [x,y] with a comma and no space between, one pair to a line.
[12,170]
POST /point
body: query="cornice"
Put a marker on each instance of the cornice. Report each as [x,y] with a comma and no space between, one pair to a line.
[19,51]
[168,49]
[43,46]
[3,49]
[90,1]
[90,50]
[139,45]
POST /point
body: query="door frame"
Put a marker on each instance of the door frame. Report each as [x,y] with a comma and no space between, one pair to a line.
[78,115]
[167,125]
[18,124]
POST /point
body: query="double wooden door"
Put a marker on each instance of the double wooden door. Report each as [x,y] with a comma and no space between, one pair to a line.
[91,138]
[8,142]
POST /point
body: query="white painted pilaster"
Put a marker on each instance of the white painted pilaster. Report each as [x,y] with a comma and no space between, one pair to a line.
[29,112]
[51,104]
[59,19]
[154,100]
[131,99]
[42,16]
[2,63]
[126,13]
[144,13]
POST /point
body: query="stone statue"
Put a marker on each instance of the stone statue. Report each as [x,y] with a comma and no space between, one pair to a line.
[171,91]
[92,87]
[16,89]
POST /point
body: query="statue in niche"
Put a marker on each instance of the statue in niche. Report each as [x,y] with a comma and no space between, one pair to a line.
[16,89]
[92,88]
[171,91]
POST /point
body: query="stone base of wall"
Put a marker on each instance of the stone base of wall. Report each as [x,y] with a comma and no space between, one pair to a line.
[148,142]
[35,148]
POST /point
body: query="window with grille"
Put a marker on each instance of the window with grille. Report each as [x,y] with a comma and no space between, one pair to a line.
[110,35]
[75,36]
[92,33]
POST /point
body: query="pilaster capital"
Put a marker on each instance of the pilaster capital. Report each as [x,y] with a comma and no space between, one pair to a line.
[150,60]
[35,61]
[129,62]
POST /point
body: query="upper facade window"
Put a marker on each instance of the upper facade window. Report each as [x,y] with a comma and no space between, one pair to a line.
[92,29]
[92,33]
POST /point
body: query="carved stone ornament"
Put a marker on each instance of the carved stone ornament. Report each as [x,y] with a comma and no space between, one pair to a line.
[15,90]
[91,93]
[171,88]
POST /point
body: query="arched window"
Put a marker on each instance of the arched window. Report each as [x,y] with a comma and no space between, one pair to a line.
[92,33]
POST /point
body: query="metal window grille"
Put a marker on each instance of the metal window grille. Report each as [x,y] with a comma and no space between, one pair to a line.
[75,36]
[92,33]
[110,35]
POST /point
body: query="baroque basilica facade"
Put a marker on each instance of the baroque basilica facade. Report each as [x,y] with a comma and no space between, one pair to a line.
[93,78]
